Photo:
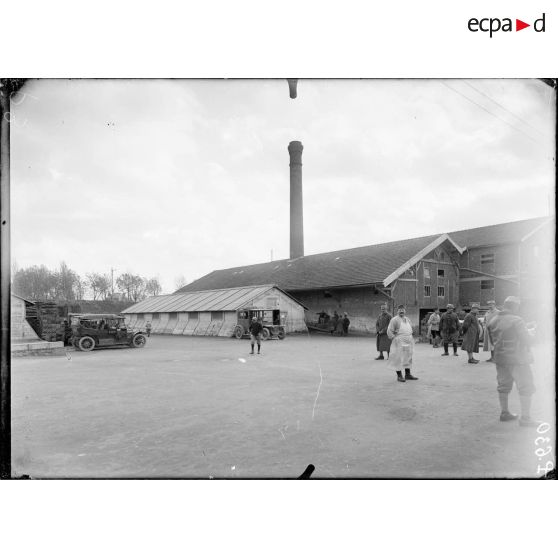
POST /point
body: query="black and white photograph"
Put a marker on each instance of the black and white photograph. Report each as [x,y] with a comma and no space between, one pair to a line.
[280,278]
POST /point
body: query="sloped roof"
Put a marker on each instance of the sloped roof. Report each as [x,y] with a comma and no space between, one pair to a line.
[355,266]
[217,300]
[503,233]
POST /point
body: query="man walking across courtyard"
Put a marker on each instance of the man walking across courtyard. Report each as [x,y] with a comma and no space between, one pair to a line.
[512,355]
[449,328]
[471,333]
[400,331]
[255,330]
[383,342]
[486,343]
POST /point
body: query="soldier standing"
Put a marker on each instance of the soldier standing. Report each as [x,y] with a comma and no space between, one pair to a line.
[345,323]
[471,333]
[512,355]
[334,322]
[383,342]
[449,328]
[148,329]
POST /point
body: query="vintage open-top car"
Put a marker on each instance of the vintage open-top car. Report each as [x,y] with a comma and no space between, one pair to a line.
[273,322]
[91,331]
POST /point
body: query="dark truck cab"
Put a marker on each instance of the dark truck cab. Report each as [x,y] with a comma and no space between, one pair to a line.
[273,322]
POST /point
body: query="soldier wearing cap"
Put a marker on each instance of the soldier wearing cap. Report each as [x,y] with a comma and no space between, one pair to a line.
[449,329]
[512,355]
[255,330]
[471,333]
[486,344]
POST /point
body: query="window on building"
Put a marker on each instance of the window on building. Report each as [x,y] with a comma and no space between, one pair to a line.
[487,284]
[216,316]
[173,315]
[140,316]
[441,291]
[426,290]
[441,273]
[271,301]
[487,259]
[193,315]
[427,273]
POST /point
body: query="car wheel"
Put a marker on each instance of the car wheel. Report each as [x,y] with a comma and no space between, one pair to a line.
[86,343]
[238,332]
[281,334]
[139,341]
[265,334]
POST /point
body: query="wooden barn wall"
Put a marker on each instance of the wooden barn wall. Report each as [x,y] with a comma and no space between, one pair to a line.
[361,304]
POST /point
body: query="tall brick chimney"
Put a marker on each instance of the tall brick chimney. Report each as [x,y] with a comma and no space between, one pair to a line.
[297,229]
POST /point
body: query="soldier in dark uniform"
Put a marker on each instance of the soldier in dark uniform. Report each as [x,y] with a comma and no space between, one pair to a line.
[512,355]
[67,333]
[471,333]
[345,323]
[255,330]
[383,342]
[449,328]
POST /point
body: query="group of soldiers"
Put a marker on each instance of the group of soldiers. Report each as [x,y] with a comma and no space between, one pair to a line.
[337,325]
[506,336]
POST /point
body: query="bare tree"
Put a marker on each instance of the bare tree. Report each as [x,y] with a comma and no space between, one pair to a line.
[99,285]
[180,282]
[132,285]
[35,283]
[153,287]
[66,279]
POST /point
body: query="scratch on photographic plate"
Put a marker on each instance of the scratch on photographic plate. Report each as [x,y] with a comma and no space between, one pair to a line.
[318,392]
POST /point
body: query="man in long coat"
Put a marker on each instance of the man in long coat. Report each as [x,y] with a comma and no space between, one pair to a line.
[486,343]
[449,329]
[383,342]
[471,333]
[512,355]
[400,331]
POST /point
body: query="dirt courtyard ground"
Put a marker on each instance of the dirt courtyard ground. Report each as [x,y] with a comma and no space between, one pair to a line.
[203,407]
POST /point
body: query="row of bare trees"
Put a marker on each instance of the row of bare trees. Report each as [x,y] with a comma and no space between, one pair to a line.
[40,283]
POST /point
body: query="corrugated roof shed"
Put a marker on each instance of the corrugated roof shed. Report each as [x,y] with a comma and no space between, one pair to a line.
[216,300]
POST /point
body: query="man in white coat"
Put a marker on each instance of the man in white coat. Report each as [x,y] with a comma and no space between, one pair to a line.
[400,331]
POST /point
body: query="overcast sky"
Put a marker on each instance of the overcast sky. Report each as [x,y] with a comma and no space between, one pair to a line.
[180,177]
